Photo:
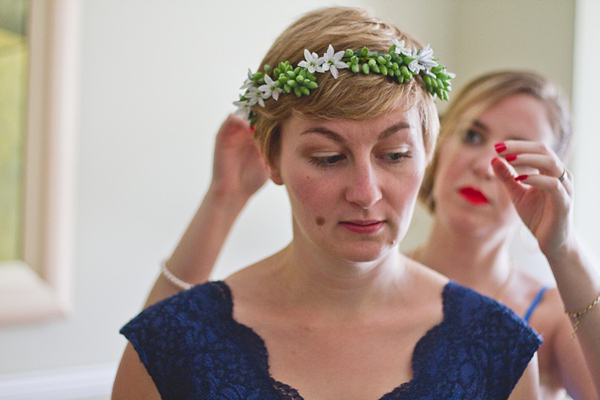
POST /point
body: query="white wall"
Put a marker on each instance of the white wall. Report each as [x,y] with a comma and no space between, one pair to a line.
[157,78]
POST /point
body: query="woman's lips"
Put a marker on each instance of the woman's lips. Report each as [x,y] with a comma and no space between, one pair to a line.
[473,195]
[363,227]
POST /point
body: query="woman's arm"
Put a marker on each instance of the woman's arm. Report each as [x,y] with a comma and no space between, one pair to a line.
[528,386]
[238,172]
[578,285]
[132,380]
[545,204]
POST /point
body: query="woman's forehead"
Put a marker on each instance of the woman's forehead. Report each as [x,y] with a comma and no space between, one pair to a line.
[403,122]
[521,116]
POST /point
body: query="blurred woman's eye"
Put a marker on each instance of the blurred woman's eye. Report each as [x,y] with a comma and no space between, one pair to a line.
[471,136]
[326,161]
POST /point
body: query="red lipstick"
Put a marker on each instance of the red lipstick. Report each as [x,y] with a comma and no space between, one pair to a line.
[363,227]
[473,195]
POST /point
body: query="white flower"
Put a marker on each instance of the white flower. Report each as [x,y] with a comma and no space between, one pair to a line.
[243,108]
[414,66]
[269,89]
[333,61]
[312,63]
[425,57]
[255,96]
[400,47]
[423,60]
[248,82]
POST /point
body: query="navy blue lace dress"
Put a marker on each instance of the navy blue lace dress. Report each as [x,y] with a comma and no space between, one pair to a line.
[194,349]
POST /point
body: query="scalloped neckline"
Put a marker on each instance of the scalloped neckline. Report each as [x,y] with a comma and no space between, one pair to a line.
[262,354]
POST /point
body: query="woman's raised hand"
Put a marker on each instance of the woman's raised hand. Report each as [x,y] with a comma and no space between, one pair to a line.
[238,167]
[542,192]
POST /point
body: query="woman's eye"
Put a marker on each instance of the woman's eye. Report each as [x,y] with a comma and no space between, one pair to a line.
[396,157]
[473,137]
[327,161]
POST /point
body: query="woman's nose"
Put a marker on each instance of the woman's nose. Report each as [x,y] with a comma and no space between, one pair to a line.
[363,186]
[483,163]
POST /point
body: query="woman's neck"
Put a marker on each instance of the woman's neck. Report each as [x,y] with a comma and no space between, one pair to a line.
[482,263]
[315,279]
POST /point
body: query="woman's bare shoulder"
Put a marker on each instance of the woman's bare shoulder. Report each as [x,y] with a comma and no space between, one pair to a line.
[549,312]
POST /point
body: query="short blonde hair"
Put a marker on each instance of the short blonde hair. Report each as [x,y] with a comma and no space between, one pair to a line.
[350,96]
[486,91]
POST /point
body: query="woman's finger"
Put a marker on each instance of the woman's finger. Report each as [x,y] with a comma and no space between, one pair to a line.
[530,158]
[505,173]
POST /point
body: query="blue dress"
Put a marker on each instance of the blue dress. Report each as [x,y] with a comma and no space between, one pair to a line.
[193,349]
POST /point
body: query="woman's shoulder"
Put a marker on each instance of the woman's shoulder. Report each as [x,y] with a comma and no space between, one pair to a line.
[541,300]
[202,303]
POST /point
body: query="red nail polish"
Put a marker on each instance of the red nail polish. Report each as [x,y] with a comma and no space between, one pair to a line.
[520,177]
[500,147]
[252,128]
[510,157]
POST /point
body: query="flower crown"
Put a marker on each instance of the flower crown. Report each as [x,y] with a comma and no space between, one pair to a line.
[400,64]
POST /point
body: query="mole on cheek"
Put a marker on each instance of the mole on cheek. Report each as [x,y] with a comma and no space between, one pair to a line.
[320,221]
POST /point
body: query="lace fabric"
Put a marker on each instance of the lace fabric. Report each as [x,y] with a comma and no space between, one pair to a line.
[194,349]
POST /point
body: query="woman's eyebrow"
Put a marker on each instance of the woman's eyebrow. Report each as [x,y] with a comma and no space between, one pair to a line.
[325,132]
[339,138]
[402,125]
[480,125]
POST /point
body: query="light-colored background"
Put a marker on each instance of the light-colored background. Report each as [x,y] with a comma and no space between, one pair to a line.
[158,77]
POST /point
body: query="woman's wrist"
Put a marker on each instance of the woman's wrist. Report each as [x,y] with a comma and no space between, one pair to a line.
[225,197]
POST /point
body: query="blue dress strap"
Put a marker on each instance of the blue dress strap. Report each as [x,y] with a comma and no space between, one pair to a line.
[536,301]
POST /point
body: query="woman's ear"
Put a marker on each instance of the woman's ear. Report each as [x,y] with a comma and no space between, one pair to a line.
[274,172]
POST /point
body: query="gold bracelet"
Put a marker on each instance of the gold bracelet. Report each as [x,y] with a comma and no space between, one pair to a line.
[173,279]
[577,314]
